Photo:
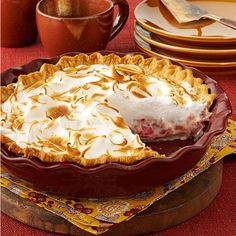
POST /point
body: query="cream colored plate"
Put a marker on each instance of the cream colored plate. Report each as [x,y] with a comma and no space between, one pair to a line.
[153,39]
[153,16]
[214,65]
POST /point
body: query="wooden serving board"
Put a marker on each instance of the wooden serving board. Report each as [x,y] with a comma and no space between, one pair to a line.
[173,209]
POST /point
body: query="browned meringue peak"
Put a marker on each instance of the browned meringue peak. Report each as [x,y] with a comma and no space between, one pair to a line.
[55,112]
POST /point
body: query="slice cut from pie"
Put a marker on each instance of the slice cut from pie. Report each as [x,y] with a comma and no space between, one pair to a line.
[96,109]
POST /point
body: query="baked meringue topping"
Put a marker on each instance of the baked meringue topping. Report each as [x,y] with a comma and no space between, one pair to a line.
[92,113]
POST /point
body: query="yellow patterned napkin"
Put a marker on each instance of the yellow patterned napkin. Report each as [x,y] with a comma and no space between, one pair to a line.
[98,215]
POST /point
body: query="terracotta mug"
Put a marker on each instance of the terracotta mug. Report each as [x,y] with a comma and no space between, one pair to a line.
[79,25]
[18,24]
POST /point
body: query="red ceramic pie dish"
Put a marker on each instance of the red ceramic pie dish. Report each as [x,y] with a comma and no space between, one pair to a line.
[112,179]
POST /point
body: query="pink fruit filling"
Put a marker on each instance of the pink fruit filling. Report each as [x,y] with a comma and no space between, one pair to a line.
[159,129]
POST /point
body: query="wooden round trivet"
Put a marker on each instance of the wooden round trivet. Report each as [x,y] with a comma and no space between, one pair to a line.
[173,209]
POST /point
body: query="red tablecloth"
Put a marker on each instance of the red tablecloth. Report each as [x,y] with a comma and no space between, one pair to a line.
[218,219]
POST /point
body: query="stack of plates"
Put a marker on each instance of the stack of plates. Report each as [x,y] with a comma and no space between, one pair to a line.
[205,44]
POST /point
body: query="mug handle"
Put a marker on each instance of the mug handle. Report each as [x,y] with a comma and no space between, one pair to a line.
[122,17]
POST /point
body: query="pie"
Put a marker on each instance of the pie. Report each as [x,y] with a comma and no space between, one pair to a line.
[95,109]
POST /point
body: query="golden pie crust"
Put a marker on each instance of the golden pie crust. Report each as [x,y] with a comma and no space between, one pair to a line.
[150,66]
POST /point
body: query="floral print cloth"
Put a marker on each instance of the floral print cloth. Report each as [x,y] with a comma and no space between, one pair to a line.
[98,215]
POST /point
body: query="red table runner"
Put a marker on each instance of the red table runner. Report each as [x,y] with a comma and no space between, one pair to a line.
[218,219]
